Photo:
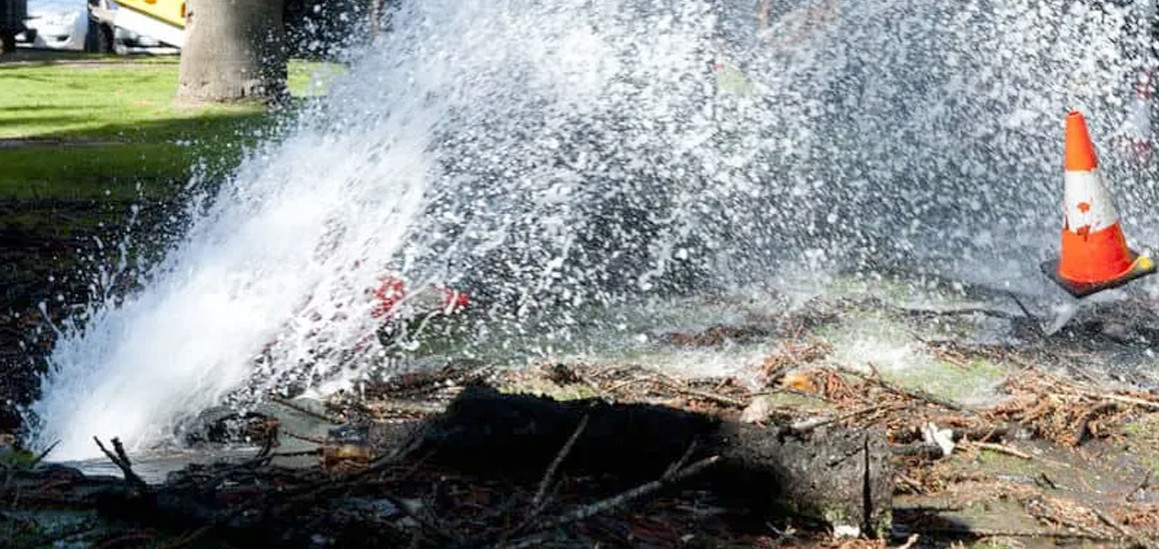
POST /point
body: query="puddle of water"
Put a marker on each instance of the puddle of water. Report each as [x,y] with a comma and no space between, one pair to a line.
[154,467]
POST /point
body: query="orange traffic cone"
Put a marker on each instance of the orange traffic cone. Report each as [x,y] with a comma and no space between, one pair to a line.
[1094,254]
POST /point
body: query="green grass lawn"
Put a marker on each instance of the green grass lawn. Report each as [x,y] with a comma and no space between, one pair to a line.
[84,141]
[86,127]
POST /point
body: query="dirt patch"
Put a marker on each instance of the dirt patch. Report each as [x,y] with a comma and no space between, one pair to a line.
[15,143]
[1053,462]
[1056,455]
[24,57]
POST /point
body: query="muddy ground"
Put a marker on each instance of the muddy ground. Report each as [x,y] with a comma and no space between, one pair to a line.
[1001,431]
[1027,439]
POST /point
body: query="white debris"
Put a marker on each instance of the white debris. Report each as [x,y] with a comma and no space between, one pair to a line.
[846,531]
[943,438]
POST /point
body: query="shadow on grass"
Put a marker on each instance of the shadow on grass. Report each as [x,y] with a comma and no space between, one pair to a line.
[157,157]
[37,108]
[23,57]
[60,119]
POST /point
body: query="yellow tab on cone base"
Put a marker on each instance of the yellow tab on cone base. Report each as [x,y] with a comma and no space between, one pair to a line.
[1094,254]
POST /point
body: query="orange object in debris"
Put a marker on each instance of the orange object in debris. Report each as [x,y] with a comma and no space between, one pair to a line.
[1094,255]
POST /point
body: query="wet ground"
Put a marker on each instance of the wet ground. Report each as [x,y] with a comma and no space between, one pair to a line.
[51,252]
[1002,435]
[1053,410]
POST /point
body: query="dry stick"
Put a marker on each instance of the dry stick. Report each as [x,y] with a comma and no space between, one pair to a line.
[621,384]
[962,311]
[408,407]
[298,453]
[678,464]
[1110,522]
[675,385]
[537,503]
[806,426]
[1069,523]
[44,454]
[121,541]
[719,399]
[911,393]
[794,392]
[682,387]
[1125,400]
[299,408]
[1001,449]
[608,504]
[635,493]
[121,460]
[377,466]
[1122,530]
[315,440]
[549,474]
[913,484]
[995,533]
[782,535]
[1046,480]
[1033,319]
[1141,487]
[1084,424]
[910,542]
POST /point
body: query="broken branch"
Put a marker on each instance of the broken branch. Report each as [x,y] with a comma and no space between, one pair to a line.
[633,494]
[1126,400]
[121,460]
[1084,424]
[809,425]
[916,394]
[999,448]
[549,474]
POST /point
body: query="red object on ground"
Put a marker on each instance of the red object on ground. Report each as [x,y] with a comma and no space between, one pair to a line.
[454,300]
[388,295]
[392,291]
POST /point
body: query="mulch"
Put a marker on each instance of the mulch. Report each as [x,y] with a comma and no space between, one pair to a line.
[366,489]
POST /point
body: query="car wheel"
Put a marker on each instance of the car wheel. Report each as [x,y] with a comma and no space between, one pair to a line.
[105,42]
[7,41]
[99,38]
[92,36]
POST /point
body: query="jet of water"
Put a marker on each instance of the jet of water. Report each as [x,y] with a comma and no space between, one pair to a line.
[555,157]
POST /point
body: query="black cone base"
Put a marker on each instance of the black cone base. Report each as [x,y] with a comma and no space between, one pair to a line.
[1140,267]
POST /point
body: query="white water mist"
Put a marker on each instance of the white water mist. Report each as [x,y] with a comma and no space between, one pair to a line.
[553,157]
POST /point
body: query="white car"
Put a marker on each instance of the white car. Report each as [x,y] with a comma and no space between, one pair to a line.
[56,25]
[72,25]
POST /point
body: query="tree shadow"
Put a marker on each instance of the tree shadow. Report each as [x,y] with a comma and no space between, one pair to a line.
[63,119]
[27,57]
[37,108]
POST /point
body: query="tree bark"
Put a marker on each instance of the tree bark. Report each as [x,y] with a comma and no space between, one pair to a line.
[234,50]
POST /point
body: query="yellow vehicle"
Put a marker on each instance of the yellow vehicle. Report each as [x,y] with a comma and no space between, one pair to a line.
[168,11]
[163,20]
